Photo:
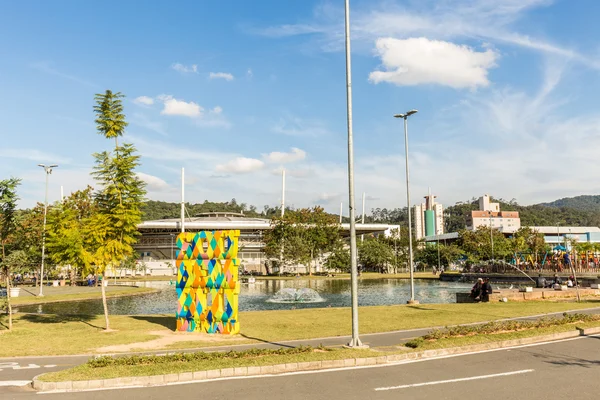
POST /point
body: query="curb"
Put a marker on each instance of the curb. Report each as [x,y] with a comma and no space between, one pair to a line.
[189,377]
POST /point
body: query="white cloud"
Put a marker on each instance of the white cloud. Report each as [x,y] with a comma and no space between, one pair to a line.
[154,183]
[221,75]
[33,155]
[249,73]
[241,165]
[172,106]
[294,126]
[418,61]
[281,157]
[46,67]
[484,20]
[144,100]
[184,69]
[217,110]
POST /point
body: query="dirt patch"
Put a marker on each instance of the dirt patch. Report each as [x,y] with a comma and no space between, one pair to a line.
[168,338]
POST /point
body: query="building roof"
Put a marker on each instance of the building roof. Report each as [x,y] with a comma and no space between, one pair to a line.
[227,221]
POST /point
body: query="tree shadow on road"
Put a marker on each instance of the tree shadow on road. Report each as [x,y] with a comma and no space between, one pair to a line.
[59,319]
[166,321]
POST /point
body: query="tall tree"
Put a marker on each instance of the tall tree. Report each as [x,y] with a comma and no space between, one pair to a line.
[110,119]
[300,236]
[113,228]
[8,227]
[66,222]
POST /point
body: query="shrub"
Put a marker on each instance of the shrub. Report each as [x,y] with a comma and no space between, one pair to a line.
[106,361]
[498,327]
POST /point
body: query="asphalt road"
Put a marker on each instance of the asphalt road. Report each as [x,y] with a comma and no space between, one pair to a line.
[25,368]
[559,370]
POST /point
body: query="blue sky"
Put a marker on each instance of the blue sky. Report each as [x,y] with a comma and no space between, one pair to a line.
[235,91]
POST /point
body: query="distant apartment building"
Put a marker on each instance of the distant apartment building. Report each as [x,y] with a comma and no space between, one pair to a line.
[429,218]
[489,215]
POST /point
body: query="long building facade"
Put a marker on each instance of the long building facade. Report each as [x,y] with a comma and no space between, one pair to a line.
[157,243]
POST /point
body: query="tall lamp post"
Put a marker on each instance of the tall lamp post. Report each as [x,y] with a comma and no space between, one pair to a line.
[48,170]
[410,249]
[355,341]
[491,235]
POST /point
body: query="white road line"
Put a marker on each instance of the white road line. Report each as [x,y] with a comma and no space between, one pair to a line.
[471,378]
[14,383]
[330,370]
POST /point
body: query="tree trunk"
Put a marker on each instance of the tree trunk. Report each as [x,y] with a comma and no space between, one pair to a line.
[9,306]
[104,304]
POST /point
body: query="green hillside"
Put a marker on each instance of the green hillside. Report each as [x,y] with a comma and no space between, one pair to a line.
[585,203]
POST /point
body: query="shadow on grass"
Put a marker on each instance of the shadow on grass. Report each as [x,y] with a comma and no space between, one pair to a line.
[59,319]
[421,308]
[268,341]
[166,321]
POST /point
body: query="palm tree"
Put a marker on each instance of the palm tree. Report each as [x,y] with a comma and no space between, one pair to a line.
[110,119]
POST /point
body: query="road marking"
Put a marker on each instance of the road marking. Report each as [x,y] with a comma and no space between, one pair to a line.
[14,383]
[30,366]
[321,371]
[50,366]
[471,378]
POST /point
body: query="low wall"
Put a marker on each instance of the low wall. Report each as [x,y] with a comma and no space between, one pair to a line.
[537,294]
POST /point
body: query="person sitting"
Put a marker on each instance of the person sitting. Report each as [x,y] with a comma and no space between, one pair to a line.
[569,283]
[486,290]
[541,282]
[476,290]
[557,280]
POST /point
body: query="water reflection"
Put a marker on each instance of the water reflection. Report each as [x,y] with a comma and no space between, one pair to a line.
[335,293]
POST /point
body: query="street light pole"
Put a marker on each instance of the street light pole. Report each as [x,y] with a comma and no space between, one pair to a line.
[48,170]
[410,249]
[355,341]
[491,236]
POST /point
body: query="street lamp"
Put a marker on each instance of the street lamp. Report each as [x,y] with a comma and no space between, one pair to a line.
[355,341]
[491,235]
[410,250]
[48,170]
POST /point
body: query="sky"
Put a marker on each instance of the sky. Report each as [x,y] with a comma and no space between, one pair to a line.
[236,91]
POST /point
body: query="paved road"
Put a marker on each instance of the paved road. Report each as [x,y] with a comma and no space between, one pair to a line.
[560,370]
[25,368]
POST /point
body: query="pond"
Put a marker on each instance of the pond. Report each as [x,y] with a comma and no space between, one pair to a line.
[253,297]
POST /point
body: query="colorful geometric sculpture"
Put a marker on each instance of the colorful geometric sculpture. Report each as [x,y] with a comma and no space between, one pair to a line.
[208,282]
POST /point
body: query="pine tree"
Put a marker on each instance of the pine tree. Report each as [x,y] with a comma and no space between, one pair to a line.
[112,231]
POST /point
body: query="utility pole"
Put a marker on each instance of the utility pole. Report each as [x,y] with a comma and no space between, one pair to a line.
[362,237]
[282,192]
[355,341]
[182,200]
[48,170]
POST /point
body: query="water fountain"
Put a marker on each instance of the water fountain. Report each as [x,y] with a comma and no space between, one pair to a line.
[292,295]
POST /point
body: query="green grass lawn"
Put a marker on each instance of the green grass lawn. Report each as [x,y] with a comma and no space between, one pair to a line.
[86,372]
[90,295]
[83,334]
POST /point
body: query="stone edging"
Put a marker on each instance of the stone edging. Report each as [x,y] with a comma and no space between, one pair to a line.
[158,380]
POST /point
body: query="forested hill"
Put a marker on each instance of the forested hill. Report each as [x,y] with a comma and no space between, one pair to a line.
[548,214]
[585,203]
[575,211]
[154,210]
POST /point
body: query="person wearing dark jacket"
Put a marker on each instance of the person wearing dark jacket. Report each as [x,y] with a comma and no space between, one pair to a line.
[476,290]
[486,290]
[541,282]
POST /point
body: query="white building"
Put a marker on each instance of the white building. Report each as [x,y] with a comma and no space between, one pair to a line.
[429,218]
[489,215]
